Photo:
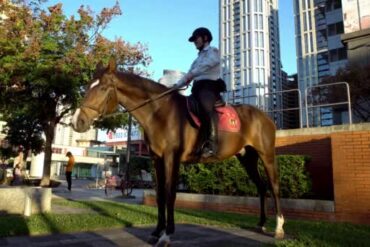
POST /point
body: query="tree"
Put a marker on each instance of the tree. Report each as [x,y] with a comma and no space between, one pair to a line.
[47,58]
[23,130]
[358,78]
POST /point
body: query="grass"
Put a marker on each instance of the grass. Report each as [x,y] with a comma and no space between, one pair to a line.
[100,215]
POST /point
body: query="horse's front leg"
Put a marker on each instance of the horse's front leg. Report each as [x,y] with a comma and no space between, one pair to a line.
[161,200]
[171,174]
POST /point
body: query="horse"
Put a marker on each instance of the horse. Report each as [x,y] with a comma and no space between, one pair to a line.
[171,138]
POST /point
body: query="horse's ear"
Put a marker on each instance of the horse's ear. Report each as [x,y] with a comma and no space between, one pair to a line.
[99,69]
[112,65]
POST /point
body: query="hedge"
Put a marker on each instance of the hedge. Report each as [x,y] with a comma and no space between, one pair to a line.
[230,178]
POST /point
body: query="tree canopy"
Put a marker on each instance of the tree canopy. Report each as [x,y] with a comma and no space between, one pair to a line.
[47,58]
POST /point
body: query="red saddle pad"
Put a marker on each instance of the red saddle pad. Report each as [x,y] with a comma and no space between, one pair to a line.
[228,119]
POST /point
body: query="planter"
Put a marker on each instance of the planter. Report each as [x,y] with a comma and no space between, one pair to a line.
[25,200]
[293,208]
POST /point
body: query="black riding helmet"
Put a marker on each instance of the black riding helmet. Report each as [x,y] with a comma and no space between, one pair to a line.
[201,32]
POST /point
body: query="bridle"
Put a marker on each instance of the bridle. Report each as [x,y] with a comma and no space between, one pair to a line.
[113,85]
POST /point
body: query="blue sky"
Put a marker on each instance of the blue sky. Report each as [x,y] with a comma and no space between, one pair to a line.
[165,25]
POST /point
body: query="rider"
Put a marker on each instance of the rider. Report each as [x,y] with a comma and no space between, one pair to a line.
[205,71]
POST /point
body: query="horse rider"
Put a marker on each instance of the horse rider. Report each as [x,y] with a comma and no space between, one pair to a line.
[205,72]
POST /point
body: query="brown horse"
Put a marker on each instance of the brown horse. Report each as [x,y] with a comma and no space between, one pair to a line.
[171,138]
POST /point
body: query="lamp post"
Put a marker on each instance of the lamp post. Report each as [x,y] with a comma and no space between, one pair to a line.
[128,151]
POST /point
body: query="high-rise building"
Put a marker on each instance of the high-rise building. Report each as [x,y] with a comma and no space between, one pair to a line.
[291,106]
[250,53]
[320,52]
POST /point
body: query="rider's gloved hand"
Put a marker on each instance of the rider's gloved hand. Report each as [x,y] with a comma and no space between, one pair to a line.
[185,80]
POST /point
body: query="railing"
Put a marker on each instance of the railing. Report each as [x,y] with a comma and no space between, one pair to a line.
[299,96]
[348,102]
[299,108]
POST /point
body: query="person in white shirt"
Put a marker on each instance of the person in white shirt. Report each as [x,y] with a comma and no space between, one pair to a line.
[207,86]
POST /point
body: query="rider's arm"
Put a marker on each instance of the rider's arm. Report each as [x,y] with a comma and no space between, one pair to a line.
[204,63]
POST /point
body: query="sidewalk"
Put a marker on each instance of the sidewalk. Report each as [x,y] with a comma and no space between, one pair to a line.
[185,235]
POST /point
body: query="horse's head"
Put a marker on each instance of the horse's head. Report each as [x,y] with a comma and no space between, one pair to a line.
[100,98]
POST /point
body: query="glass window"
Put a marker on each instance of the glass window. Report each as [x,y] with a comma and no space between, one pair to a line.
[342,53]
[260,37]
[256,39]
[256,21]
[255,75]
[260,5]
[256,59]
[246,6]
[306,43]
[260,21]
[262,58]
[262,75]
[311,42]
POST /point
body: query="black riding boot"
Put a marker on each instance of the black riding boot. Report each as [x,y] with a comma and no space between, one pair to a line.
[210,146]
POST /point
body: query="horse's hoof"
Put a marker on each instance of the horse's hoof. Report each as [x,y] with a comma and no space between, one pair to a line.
[263,229]
[152,240]
[279,235]
[164,241]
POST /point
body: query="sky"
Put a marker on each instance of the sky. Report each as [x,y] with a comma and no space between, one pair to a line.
[164,26]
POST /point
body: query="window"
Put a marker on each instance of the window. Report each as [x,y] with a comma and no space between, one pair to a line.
[338,54]
[335,28]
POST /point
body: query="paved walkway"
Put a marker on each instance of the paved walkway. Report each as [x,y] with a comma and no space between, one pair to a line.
[186,235]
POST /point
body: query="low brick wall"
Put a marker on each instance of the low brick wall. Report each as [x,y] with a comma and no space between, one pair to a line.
[25,200]
[340,165]
[307,209]
[339,168]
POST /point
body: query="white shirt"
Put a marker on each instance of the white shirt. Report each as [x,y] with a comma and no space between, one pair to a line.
[207,65]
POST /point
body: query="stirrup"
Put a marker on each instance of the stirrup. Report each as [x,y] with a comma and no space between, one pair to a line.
[207,150]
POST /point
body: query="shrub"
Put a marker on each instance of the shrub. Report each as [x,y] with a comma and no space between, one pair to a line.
[230,178]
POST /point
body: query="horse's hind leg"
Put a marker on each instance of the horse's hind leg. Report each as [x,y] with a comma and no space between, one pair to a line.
[250,161]
[268,158]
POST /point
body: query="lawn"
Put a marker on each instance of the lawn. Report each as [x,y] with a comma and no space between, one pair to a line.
[100,215]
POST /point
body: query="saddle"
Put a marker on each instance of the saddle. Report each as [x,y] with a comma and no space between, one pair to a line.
[228,119]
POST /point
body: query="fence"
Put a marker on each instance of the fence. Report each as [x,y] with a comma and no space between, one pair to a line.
[261,100]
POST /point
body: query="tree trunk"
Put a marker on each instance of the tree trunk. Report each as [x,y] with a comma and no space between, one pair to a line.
[49,133]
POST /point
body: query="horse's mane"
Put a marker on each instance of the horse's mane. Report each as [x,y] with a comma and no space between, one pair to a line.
[142,83]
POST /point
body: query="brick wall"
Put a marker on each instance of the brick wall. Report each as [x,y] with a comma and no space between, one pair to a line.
[351,172]
[340,170]
[319,168]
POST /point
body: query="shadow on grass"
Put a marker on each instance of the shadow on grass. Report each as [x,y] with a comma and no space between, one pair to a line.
[103,212]
[12,225]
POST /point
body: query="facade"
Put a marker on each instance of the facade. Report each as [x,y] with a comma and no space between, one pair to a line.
[64,135]
[356,35]
[250,53]
[320,52]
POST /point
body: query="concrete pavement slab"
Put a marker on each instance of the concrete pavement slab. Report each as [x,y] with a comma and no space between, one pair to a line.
[186,235]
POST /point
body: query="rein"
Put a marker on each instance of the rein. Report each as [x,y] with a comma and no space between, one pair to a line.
[142,103]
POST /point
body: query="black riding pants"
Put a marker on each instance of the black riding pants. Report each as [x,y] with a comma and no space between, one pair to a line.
[207,92]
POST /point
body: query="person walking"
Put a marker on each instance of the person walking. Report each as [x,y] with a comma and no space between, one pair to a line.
[69,168]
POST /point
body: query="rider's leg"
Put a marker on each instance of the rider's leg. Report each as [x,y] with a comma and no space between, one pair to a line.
[210,119]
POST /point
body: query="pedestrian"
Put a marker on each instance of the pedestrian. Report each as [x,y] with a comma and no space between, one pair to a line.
[207,86]
[69,168]
[17,175]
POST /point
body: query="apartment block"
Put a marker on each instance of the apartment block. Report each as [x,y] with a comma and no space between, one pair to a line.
[250,53]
